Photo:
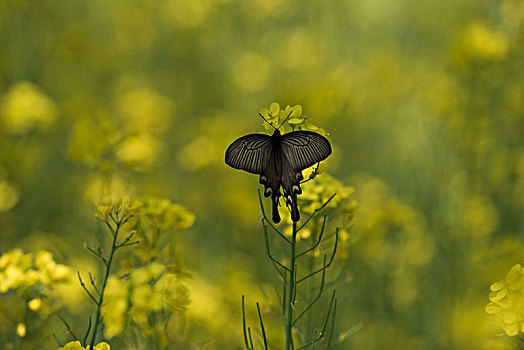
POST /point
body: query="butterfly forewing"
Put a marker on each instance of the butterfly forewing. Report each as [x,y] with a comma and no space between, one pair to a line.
[250,153]
[304,149]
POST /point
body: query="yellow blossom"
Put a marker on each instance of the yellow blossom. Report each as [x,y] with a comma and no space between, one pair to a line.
[251,71]
[35,304]
[479,41]
[76,345]
[507,301]
[118,209]
[146,290]
[139,151]
[165,214]
[9,196]
[21,330]
[26,107]
[19,270]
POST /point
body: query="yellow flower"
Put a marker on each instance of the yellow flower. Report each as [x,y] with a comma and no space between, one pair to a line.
[117,209]
[35,304]
[21,330]
[8,196]
[251,71]
[147,290]
[116,306]
[317,192]
[26,107]
[19,270]
[507,301]
[479,41]
[139,151]
[166,215]
[276,115]
[76,345]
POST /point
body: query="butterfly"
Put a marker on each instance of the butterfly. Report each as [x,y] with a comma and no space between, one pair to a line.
[279,160]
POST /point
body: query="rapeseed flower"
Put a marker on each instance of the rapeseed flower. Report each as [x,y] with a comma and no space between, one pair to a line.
[26,107]
[276,115]
[9,196]
[118,209]
[507,301]
[76,345]
[31,274]
[146,291]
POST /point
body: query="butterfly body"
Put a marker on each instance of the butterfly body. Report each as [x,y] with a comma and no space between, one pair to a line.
[279,160]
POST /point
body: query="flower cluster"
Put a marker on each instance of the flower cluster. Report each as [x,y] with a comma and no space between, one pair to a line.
[276,115]
[119,210]
[164,214]
[315,194]
[158,220]
[147,293]
[33,276]
[76,345]
[507,301]
[25,107]
[391,236]
[9,196]
[481,42]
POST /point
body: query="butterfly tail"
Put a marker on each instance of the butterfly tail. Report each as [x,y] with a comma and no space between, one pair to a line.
[291,188]
[276,215]
[295,214]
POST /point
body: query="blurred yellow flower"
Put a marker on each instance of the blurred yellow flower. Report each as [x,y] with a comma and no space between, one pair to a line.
[19,270]
[251,72]
[8,196]
[136,104]
[35,304]
[479,41]
[91,138]
[139,151]
[295,44]
[165,214]
[26,107]
[391,236]
[98,187]
[480,216]
[507,301]
[117,306]
[21,330]
[146,290]
[187,14]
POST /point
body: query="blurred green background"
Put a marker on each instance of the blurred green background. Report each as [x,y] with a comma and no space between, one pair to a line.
[423,103]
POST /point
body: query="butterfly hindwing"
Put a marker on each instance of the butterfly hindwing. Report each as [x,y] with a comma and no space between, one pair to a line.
[250,153]
[271,179]
[291,188]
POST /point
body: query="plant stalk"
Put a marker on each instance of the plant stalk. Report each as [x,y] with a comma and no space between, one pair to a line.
[101,298]
[291,291]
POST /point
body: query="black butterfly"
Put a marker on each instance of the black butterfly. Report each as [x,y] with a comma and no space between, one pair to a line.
[279,160]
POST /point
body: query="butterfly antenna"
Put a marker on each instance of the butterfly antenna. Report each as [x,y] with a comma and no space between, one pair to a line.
[261,116]
[285,120]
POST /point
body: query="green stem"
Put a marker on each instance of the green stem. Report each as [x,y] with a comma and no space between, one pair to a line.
[291,291]
[101,299]
[309,288]
[18,339]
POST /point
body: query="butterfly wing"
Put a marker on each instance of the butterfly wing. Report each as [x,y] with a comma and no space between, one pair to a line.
[301,149]
[304,149]
[249,153]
